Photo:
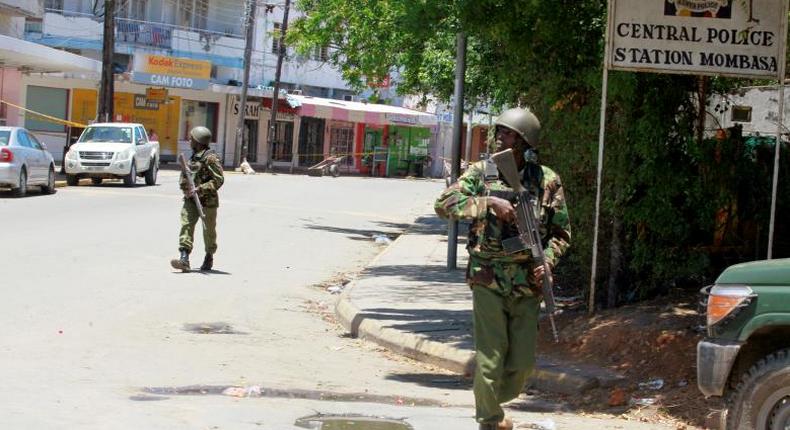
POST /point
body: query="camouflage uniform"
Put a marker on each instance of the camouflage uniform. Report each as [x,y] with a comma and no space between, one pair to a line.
[506,294]
[206,168]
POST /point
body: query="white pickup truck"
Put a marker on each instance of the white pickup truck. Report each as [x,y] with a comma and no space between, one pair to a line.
[113,151]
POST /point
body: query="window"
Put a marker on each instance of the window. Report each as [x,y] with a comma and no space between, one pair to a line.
[142,136]
[53,4]
[276,38]
[195,113]
[320,53]
[21,138]
[34,143]
[138,135]
[201,14]
[741,114]
[48,101]
[187,13]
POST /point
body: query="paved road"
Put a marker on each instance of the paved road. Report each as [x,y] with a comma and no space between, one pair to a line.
[95,323]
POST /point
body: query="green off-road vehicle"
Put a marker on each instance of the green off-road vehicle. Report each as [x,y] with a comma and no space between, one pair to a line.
[746,356]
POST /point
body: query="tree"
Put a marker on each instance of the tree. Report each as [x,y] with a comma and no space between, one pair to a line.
[547,54]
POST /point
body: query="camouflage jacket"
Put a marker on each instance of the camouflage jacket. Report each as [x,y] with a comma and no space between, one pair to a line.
[206,168]
[489,265]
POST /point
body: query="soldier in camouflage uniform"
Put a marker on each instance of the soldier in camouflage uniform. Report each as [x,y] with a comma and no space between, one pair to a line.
[206,168]
[506,287]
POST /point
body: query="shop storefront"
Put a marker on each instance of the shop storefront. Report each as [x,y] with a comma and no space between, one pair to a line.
[257,115]
[251,132]
[378,139]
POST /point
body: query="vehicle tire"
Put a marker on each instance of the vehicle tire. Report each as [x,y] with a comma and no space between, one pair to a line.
[21,188]
[762,398]
[96,181]
[72,180]
[334,170]
[49,188]
[150,174]
[131,179]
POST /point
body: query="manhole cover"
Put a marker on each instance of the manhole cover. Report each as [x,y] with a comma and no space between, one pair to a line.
[211,328]
[350,422]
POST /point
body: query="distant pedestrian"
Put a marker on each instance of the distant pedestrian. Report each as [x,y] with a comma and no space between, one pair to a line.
[153,136]
[506,287]
[206,169]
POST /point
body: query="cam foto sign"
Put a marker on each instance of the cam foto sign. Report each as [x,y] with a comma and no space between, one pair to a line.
[741,38]
[161,71]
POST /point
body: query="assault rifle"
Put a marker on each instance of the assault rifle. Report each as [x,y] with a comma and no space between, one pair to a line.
[187,172]
[528,233]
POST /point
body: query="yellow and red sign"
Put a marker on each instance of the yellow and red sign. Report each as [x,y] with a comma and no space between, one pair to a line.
[159,70]
[172,66]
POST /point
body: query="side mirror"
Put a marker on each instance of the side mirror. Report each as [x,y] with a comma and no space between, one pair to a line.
[43,146]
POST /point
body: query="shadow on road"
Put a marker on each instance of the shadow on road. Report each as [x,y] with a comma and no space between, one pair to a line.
[433,380]
[446,326]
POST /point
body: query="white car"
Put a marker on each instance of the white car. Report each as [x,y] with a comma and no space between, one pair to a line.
[24,162]
[113,151]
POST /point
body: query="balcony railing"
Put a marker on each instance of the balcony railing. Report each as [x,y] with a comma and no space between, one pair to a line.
[143,33]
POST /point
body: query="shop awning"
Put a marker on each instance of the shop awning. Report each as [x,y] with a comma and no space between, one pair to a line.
[368,113]
[34,57]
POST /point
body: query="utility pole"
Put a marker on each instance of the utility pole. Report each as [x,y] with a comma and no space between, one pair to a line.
[276,93]
[107,87]
[458,119]
[241,143]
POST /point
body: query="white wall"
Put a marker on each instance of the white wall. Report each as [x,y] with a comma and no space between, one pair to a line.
[765,108]
[33,8]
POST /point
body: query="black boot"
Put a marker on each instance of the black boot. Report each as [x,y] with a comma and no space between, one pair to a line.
[182,263]
[208,262]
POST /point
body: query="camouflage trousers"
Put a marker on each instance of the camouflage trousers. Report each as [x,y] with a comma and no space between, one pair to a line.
[505,333]
[190,217]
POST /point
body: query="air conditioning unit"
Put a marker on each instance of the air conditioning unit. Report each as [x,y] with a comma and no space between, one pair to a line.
[350,98]
[295,92]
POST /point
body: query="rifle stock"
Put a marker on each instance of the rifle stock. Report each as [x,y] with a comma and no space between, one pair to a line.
[191,185]
[528,228]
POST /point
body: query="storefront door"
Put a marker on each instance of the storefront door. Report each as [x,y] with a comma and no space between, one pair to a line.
[398,163]
[282,146]
[251,137]
[311,141]
[341,141]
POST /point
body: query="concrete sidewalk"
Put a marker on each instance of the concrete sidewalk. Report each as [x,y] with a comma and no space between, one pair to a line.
[407,301]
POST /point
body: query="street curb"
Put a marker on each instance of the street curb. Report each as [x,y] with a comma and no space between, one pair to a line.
[558,378]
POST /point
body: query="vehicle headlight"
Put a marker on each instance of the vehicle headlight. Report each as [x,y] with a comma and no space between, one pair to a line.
[122,155]
[71,155]
[726,300]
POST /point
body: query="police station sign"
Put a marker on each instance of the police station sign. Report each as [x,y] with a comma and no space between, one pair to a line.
[162,71]
[741,38]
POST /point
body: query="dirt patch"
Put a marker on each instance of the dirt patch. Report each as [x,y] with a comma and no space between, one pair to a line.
[653,345]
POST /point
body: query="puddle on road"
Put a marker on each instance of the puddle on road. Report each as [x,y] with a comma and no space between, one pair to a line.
[350,422]
[211,328]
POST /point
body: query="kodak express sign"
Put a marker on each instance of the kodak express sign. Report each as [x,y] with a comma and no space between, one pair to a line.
[173,72]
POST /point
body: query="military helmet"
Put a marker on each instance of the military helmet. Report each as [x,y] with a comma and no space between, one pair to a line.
[201,135]
[523,122]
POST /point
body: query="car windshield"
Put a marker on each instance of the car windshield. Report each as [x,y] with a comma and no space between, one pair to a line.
[107,134]
[5,135]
